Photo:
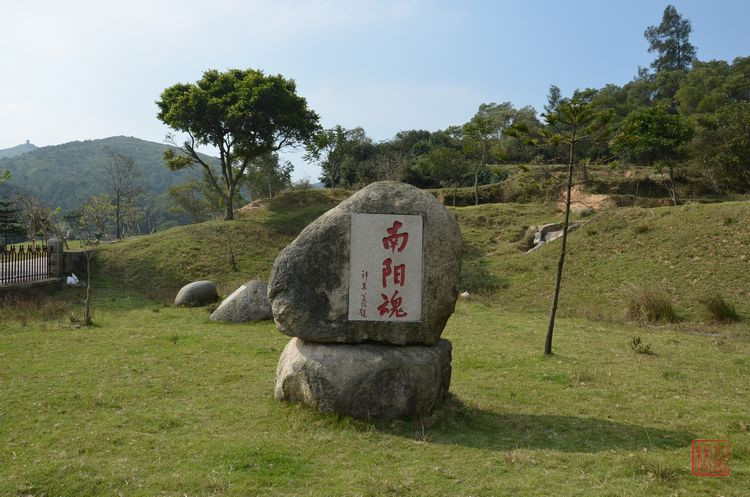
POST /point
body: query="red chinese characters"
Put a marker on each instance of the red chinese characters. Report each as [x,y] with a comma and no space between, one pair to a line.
[399,273]
[393,306]
[385,261]
[392,240]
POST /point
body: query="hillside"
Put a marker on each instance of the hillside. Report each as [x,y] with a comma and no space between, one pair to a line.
[690,251]
[161,263]
[67,175]
[17,150]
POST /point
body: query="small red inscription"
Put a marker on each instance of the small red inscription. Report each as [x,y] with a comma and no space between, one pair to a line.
[710,457]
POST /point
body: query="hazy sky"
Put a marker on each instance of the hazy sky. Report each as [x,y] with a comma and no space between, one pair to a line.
[77,70]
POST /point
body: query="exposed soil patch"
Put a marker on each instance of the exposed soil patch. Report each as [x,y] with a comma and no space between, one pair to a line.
[581,201]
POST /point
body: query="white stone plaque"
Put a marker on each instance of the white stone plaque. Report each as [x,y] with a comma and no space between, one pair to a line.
[385,282]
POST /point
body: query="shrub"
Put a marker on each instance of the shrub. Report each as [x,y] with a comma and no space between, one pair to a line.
[650,305]
[719,309]
[641,228]
[641,348]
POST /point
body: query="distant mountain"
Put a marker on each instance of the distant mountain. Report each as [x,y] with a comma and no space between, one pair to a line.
[68,175]
[17,150]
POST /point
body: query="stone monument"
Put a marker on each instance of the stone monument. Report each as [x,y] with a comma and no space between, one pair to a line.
[366,290]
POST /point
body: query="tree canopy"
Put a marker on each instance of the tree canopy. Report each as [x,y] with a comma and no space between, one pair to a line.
[244,114]
[671,40]
[653,134]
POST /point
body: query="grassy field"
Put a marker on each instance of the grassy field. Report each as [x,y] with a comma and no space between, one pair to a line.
[228,252]
[156,400]
[690,252]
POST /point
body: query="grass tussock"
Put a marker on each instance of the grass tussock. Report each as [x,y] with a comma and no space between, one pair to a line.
[719,309]
[639,347]
[650,305]
[659,471]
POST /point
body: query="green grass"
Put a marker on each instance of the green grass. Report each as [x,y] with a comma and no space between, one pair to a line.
[156,400]
[688,252]
[159,264]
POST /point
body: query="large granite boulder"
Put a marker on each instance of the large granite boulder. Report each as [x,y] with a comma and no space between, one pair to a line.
[196,294]
[309,287]
[248,303]
[365,380]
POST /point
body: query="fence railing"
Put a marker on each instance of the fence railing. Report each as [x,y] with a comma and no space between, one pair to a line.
[24,263]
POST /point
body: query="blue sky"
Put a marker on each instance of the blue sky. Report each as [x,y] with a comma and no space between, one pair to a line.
[80,70]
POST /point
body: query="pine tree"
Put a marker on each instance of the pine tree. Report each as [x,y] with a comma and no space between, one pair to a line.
[671,39]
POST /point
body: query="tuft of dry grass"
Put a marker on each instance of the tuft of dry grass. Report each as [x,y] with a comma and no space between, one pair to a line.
[650,305]
[719,309]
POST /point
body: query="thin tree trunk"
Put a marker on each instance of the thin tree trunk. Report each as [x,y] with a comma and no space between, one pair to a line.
[561,260]
[454,195]
[672,191]
[87,316]
[476,186]
[117,216]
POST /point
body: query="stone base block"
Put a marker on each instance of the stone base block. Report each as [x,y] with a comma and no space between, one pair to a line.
[365,380]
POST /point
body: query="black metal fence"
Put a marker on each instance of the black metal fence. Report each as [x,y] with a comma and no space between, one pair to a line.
[23,263]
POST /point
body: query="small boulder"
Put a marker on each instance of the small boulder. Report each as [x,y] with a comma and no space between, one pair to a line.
[365,380]
[196,294]
[248,303]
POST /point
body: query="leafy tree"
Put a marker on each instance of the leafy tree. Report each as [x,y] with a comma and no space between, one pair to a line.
[10,227]
[36,219]
[98,214]
[721,148]
[448,167]
[654,136]
[343,155]
[269,174]
[412,142]
[132,216]
[651,134]
[191,198]
[671,40]
[513,148]
[124,181]
[481,135]
[572,121]
[244,114]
